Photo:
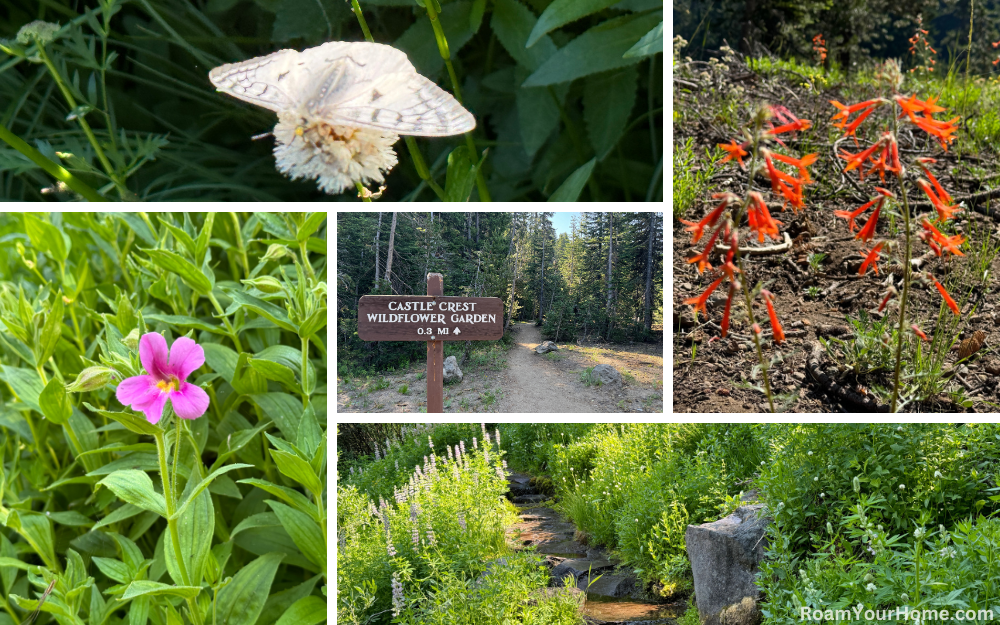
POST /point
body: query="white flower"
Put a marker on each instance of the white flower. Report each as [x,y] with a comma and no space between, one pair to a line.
[816,479]
[905,597]
[918,533]
[937,474]
[335,156]
[810,453]
[871,587]
[822,494]
[902,487]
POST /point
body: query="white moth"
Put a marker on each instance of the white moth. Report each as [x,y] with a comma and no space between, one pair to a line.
[352,84]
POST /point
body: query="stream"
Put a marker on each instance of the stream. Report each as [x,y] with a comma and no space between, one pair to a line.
[614,594]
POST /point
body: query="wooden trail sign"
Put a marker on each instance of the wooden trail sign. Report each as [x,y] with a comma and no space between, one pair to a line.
[433,318]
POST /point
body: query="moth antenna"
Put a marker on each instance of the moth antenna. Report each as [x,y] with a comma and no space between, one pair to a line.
[261,136]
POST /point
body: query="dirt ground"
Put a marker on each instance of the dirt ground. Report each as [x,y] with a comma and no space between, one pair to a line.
[710,373]
[527,382]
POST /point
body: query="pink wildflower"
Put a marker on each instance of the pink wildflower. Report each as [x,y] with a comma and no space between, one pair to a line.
[166,379]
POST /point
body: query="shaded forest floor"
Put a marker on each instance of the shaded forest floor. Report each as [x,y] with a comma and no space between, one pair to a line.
[816,280]
[523,381]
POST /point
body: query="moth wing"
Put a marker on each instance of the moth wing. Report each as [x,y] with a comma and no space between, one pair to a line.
[273,81]
[376,86]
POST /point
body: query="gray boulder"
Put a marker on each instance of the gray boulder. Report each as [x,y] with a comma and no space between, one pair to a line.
[606,374]
[451,371]
[546,347]
[725,556]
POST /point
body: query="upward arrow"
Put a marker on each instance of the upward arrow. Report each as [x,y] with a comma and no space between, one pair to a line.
[457,331]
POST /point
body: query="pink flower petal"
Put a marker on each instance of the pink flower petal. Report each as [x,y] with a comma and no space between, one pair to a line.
[190,402]
[154,410]
[133,390]
[185,357]
[154,355]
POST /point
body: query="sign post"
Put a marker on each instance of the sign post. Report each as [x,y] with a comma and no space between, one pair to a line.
[433,318]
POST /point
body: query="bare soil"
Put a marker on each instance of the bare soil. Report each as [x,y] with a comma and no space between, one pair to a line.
[526,382]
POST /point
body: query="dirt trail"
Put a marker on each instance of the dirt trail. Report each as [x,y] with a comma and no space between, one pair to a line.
[534,383]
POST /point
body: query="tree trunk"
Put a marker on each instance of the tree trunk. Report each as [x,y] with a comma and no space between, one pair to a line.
[388,259]
[648,317]
[541,283]
[378,233]
[611,237]
[477,229]
[510,252]
[468,226]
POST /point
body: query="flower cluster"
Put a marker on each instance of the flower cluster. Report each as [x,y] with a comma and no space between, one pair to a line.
[921,48]
[819,48]
[724,220]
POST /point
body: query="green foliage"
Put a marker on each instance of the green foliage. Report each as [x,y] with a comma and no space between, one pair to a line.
[692,174]
[114,100]
[216,519]
[441,544]
[635,488]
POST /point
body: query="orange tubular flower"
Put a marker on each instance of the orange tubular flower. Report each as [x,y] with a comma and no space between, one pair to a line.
[710,219]
[944,195]
[940,130]
[947,298]
[850,216]
[911,106]
[699,302]
[776,331]
[940,242]
[735,150]
[795,126]
[868,232]
[944,211]
[799,163]
[888,296]
[725,312]
[702,259]
[760,218]
[871,259]
[855,161]
[919,332]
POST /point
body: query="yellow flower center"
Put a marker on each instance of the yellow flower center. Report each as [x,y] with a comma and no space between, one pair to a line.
[170,385]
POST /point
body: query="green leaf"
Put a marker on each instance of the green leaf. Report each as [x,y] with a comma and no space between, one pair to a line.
[205,483]
[131,420]
[607,105]
[570,189]
[269,311]
[420,44]
[25,383]
[195,529]
[191,275]
[36,529]
[562,12]
[275,371]
[512,23]
[291,357]
[476,15]
[283,409]
[305,532]
[45,237]
[297,469]
[310,434]
[204,238]
[289,495]
[650,44]
[279,602]
[538,116]
[309,610]
[144,588]
[182,237]
[461,175]
[51,331]
[246,379]
[237,441]
[221,359]
[309,226]
[114,569]
[597,50]
[136,488]
[316,321]
[126,511]
[55,403]
[138,226]
[70,518]
[181,321]
[241,602]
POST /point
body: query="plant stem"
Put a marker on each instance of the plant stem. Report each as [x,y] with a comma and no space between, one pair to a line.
[56,171]
[442,42]
[305,364]
[421,167]
[906,275]
[177,451]
[356,8]
[168,496]
[239,243]
[748,300]
[361,191]
[225,320]
[81,118]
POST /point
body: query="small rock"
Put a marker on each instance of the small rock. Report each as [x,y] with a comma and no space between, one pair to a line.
[725,392]
[606,374]
[798,375]
[451,371]
[546,347]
